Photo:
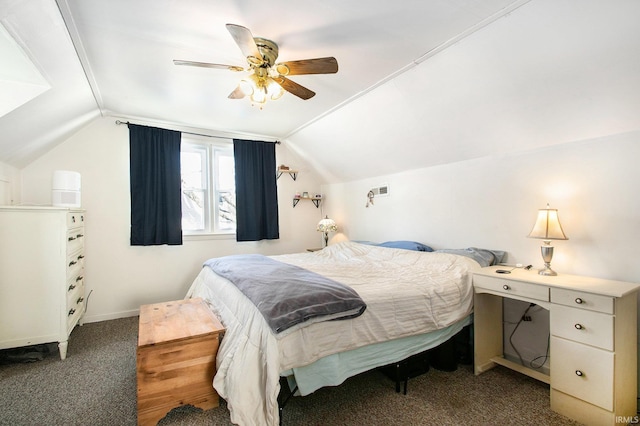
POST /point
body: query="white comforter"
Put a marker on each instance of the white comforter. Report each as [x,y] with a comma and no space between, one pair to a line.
[406,292]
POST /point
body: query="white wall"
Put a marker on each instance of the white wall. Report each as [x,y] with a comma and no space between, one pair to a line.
[492,203]
[9,184]
[121,277]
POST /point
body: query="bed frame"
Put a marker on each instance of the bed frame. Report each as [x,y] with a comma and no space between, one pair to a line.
[444,357]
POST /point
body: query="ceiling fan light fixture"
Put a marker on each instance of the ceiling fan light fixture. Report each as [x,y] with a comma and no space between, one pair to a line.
[246,87]
[267,80]
[259,95]
[274,90]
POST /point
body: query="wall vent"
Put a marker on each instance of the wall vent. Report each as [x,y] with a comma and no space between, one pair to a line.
[381,191]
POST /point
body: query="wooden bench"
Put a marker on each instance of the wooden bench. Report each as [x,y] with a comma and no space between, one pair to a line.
[176,358]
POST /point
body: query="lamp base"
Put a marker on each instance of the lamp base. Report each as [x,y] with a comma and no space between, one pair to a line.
[547,271]
[547,255]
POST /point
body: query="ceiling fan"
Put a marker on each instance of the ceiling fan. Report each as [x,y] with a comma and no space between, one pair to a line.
[268,79]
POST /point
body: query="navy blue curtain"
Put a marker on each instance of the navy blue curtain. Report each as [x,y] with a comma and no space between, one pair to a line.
[256,190]
[156,203]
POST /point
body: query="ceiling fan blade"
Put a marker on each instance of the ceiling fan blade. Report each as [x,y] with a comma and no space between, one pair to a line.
[237,93]
[309,66]
[246,43]
[208,65]
[294,88]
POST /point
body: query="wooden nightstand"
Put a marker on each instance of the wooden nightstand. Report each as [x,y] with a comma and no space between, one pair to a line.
[176,358]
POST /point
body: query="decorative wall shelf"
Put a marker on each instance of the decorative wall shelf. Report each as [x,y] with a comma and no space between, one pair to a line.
[292,173]
[315,200]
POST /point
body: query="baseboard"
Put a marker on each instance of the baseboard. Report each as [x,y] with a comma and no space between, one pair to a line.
[107,317]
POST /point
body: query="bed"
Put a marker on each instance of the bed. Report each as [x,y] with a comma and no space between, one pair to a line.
[415,300]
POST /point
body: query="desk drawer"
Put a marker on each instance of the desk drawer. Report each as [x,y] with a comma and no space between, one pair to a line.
[582,300]
[582,371]
[512,288]
[592,328]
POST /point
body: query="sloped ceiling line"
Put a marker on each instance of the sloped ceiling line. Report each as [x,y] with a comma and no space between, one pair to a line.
[431,53]
[69,22]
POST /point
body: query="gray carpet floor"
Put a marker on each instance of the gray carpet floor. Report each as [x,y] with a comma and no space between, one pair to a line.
[96,385]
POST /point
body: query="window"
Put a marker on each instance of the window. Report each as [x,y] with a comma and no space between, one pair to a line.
[208,186]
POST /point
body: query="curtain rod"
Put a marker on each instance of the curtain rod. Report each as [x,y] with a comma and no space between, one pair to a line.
[118,122]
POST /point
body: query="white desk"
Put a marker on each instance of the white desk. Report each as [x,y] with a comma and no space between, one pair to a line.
[593,350]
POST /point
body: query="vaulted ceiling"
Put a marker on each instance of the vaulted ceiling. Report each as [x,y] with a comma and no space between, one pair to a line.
[420,82]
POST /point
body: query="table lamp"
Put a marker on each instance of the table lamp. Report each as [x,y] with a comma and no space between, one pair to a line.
[547,228]
[326,225]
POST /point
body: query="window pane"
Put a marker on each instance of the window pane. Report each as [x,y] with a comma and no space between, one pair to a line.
[193,212]
[226,172]
[227,210]
[226,194]
[191,169]
[208,186]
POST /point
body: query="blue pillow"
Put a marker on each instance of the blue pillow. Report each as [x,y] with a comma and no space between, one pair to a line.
[406,245]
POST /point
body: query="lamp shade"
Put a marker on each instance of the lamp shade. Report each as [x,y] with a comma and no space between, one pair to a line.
[327,225]
[548,226]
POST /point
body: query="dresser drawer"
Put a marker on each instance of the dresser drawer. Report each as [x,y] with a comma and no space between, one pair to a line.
[75,219]
[582,300]
[75,263]
[75,239]
[75,290]
[592,328]
[74,312]
[582,371]
[513,288]
[75,282]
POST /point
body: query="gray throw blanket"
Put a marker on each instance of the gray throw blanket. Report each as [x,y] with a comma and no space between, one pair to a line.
[288,295]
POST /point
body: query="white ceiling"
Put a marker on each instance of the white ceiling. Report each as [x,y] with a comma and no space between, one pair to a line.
[127,48]
[445,79]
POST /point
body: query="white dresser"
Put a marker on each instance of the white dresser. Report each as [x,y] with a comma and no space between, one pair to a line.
[593,338]
[42,295]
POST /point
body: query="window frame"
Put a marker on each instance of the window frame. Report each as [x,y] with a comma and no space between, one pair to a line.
[210,151]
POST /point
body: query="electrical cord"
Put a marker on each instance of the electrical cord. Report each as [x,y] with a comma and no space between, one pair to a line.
[543,357]
[533,361]
[514,332]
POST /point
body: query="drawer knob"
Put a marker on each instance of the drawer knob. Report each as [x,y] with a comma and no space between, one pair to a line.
[579,373]
[506,287]
[71,287]
[579,301]
[579,327]
[71,312]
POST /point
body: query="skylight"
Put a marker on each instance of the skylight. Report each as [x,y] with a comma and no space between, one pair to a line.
[20,80]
